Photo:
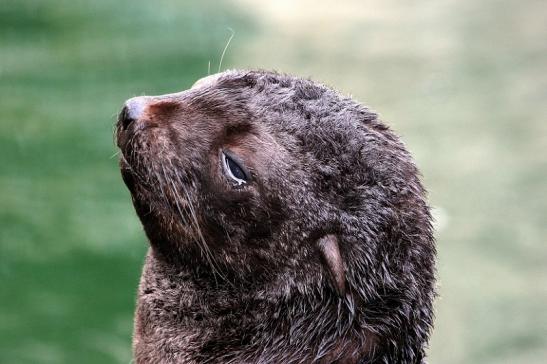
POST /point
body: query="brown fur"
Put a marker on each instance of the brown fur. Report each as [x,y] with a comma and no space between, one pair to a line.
[324,255]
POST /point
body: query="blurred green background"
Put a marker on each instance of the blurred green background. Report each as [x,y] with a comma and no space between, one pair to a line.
[464,82]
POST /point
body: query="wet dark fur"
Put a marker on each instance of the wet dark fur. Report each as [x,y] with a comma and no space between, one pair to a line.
[234,274]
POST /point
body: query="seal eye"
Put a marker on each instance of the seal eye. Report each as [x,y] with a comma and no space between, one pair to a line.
[234,170]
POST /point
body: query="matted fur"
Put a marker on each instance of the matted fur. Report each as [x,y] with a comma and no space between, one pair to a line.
[234,273]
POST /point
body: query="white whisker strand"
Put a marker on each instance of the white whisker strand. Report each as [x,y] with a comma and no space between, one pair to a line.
[225,48]
[200,240]
[209,256]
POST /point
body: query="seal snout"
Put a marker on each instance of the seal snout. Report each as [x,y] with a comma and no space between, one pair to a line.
[132,111]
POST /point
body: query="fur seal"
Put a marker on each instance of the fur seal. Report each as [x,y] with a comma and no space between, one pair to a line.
[287,224]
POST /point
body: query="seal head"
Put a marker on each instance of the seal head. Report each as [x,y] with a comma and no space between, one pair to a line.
[287,223]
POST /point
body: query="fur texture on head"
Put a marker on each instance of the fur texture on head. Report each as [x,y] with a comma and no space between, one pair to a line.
[322,253]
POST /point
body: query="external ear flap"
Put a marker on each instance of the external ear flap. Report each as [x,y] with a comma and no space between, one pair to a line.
[330,255]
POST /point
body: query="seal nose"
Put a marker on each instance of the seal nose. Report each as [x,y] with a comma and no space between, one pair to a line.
[132,111]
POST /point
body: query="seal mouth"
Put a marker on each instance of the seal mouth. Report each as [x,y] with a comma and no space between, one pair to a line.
[125,129]
[126,135]
[128,175]
[128,139]
[121,132]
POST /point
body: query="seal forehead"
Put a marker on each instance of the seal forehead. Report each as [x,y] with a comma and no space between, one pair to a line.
[206,81]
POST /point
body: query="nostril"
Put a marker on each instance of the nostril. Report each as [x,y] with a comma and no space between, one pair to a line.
[132,111]
[125,118]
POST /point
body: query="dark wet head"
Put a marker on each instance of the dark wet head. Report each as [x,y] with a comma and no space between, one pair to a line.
[265,173]
[199,166]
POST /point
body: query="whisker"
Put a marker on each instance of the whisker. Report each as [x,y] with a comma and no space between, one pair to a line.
[208,254]
[225,48]
[201,241]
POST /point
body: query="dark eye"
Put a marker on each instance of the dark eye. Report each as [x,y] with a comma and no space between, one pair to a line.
[234,170]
